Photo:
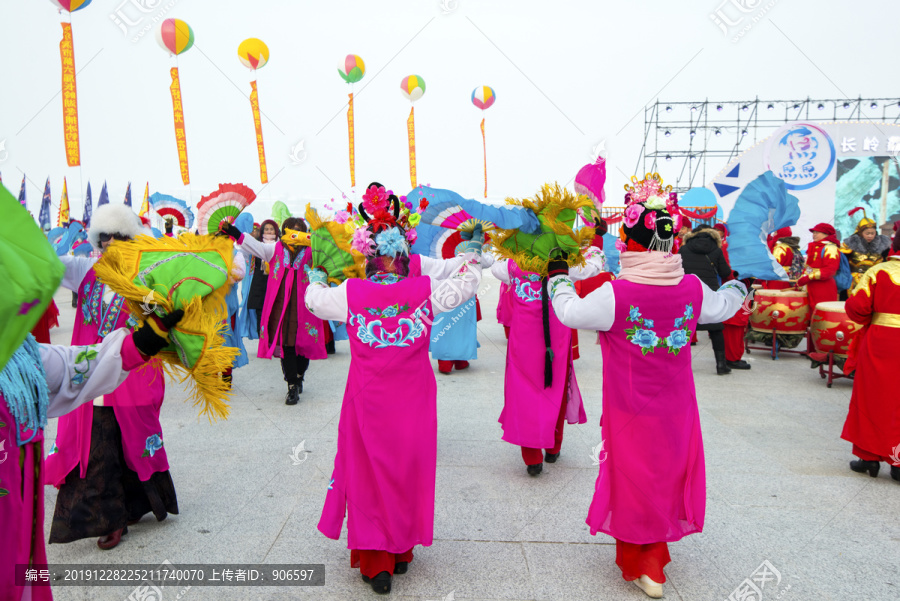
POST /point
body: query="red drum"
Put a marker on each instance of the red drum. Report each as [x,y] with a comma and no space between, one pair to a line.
[785,311]
[831,329]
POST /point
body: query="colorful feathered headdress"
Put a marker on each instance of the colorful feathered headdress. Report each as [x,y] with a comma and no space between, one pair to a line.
[864,223]
[388,227]
[648,220]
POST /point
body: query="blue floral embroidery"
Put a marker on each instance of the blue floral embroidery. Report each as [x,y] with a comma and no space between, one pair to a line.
[558,283]
[153,444]
[375,335]
[392,311]
[312,331]
[385,278]
[525,290]
[649,341]
[533,277]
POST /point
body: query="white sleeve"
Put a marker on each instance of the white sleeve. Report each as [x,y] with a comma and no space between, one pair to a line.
[596,311]
[594,262]
[500,270]
[327,303]
[78,374]
[440,269]
[263,250]
[76,269]
[448,294]
[723,303]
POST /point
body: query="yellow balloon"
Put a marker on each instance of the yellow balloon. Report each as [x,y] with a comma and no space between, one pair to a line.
[253,53]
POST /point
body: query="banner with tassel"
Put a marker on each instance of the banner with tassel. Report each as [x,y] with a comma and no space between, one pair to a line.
[69,97]
[180,136]
[411,132]
[484,148]
[352,149]
[260,149]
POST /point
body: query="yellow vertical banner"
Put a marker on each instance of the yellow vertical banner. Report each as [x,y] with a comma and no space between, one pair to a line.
[63,218]
[69,97]
[484,147]
[411,130]
[180,136]
[352,148]
[260,149]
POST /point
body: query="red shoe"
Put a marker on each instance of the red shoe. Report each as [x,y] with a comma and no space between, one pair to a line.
[445,367]
[111,540]
[460,364]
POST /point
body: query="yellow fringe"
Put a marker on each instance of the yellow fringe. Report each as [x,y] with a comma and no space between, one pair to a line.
[118,269]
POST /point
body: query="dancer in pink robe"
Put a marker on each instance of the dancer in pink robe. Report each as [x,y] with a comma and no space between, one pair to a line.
[651,489]
[535,410]
[109,460]
[384,470]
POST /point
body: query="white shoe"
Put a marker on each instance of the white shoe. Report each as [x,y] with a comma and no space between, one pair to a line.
[651,589]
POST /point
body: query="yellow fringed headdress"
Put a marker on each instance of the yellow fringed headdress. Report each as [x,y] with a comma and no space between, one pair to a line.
[160,275]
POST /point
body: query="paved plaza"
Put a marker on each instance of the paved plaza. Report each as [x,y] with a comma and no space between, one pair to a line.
[779,490]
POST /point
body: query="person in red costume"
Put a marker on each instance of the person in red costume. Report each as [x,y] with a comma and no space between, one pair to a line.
[734,327]
[873,422]
[783,246]
[822,263]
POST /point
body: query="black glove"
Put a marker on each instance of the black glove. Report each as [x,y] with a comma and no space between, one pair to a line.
[227,229]
[558,264]
[152,337]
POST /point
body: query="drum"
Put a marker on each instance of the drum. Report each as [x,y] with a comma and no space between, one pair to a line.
[831,329]
[785,311]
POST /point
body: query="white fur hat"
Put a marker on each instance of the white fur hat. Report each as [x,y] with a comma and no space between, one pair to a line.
[114,219]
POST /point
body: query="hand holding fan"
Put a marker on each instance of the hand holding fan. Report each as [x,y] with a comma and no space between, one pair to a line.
[225,204]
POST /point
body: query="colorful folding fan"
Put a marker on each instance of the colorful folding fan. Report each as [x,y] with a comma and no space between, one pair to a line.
[225,204]
[169,207]
[331,248]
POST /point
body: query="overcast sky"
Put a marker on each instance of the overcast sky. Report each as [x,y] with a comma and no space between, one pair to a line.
[567,75]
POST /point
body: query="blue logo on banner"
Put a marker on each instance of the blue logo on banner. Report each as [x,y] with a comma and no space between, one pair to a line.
[802,155]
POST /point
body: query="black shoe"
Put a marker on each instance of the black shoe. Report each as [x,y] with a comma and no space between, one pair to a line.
[721,365]
[895,473]
[738,364]
[293,395]
[300,386]
[534,470]
[329,347]
[551,457]
[862,466]
[401,567]
[381,584]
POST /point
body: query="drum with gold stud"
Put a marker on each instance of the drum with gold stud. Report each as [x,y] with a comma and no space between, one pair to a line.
[831,329]
[784,311]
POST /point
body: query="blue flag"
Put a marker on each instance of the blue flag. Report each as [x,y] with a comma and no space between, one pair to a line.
[22,193]
[104,196]
[88,209]
[128,195]
[44,215]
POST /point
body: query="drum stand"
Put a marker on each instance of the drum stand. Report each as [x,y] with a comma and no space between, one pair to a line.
[775,350]
[830,372]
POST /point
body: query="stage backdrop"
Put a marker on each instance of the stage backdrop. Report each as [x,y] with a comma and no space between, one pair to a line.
[830,167]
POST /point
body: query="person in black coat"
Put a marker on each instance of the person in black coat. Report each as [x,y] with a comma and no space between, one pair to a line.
[268,232]
[701,254]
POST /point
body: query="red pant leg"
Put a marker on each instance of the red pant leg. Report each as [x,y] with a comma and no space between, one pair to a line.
[372,563]
[560,424]
[867,456]
[734,342]
[637,560]
[532,456]
[445,367]
[401,557]
[460,364]
[506,331]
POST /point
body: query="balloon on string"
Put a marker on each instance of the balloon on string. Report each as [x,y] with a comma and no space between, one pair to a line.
[483,97]
[413,87]
[70,6]
[175,36]
[254,53]
[351,68]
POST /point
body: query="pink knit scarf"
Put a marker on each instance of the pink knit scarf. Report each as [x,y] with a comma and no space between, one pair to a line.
[654,268]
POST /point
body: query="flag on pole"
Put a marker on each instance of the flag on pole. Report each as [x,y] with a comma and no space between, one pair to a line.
[104,196]
[128,195]
[22,193]
[145,206]
[88,209]
[63,216]
[44,215]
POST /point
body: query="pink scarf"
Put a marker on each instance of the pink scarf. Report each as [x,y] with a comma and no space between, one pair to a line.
[655,268]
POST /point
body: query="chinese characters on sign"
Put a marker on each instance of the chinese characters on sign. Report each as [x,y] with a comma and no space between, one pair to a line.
[69,97]
[180,137]
[411,131]
[254,103]
[871,144]
[350,136]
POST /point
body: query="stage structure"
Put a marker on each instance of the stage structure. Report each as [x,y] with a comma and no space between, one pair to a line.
[687,143]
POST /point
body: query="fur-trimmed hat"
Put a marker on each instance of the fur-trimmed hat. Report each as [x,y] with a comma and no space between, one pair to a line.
[114,219]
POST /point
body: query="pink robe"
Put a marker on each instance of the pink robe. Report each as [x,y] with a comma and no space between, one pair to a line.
[384,470]
[310,340]
[530,411]
[652,482]
[137,402]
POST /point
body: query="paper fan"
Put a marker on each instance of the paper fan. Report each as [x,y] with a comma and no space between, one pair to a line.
[448,209]
[330,244]
[225,204]
[173,208]
[438,242]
